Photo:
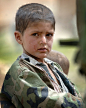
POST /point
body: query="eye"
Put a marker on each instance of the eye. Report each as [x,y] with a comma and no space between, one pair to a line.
[35,34]
[49,34]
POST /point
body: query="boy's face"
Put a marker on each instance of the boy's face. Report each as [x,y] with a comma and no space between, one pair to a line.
[37,40]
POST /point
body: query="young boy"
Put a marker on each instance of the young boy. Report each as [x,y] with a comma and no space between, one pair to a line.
[34,81]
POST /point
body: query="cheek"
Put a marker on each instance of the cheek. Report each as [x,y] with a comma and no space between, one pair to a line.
[50,43]
[33,45]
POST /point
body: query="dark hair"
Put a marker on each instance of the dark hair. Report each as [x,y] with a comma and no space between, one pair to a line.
[33,12]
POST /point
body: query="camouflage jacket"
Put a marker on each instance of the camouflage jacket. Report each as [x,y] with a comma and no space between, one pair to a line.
[28,86]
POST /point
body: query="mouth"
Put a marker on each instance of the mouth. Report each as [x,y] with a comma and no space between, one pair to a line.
[42,49]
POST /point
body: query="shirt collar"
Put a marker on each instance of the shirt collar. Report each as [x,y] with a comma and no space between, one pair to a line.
[33,61]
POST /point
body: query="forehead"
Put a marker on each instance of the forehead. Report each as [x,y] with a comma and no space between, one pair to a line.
[39,24]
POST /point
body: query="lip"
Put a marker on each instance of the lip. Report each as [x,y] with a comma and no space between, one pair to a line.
[42,49]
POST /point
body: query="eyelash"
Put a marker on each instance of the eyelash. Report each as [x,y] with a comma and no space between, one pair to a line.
[49,34]
[35,34]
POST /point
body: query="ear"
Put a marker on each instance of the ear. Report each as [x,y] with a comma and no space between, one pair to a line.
[18,37]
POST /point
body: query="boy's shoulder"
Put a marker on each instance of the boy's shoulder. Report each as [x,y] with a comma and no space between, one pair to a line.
[20,65]
[16,68]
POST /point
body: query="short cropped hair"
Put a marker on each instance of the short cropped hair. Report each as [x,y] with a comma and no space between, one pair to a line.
[31,13]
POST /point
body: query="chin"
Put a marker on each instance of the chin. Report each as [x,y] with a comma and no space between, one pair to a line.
[43,56]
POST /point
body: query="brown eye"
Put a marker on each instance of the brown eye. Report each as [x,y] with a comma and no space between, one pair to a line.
[49,34]
[35,34]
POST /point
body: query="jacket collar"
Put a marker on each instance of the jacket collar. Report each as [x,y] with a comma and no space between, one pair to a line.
[34,61]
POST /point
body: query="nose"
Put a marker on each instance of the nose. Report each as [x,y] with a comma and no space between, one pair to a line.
[43,39]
